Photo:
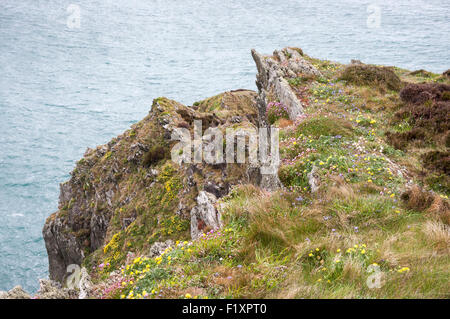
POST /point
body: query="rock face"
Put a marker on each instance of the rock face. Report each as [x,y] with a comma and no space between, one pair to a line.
[271,80]
[131,187]
[139,188]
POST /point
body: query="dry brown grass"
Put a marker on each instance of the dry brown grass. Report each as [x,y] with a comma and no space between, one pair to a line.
[438,234]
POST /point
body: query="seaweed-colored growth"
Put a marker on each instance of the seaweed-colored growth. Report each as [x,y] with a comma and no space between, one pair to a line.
[382,77]
[154,155]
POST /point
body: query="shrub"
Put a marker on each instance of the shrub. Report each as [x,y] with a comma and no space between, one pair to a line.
[361,74]
[421,93]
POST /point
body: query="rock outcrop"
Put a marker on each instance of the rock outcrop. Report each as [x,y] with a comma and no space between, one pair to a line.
[130,190]
[272,79]
[140,188]
[49,289]
[204,214]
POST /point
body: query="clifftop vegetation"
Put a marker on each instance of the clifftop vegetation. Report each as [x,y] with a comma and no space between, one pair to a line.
[363,210]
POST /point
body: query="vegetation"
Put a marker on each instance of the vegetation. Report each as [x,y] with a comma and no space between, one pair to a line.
[363,234]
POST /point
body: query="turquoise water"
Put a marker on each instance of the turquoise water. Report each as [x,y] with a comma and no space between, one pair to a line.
[64,89]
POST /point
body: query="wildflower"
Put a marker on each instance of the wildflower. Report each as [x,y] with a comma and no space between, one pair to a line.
[339,250]
[363,251]
[404,269]
[188,296]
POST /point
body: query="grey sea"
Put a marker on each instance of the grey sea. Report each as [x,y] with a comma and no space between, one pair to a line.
[74,74]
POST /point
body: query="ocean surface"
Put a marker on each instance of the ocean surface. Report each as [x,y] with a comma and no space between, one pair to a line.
[67,83]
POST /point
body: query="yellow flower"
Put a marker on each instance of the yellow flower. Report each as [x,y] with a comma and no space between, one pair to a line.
[392,195]
[317,249]
[122,296]
[363,251]
[339,250]
[188,296]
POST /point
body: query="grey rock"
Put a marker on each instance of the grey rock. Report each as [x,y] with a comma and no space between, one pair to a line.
[204,214]
[85,284]
[271,78]
[16,293]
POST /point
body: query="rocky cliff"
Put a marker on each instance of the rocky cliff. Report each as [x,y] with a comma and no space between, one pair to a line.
[363,181]
[132,181]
